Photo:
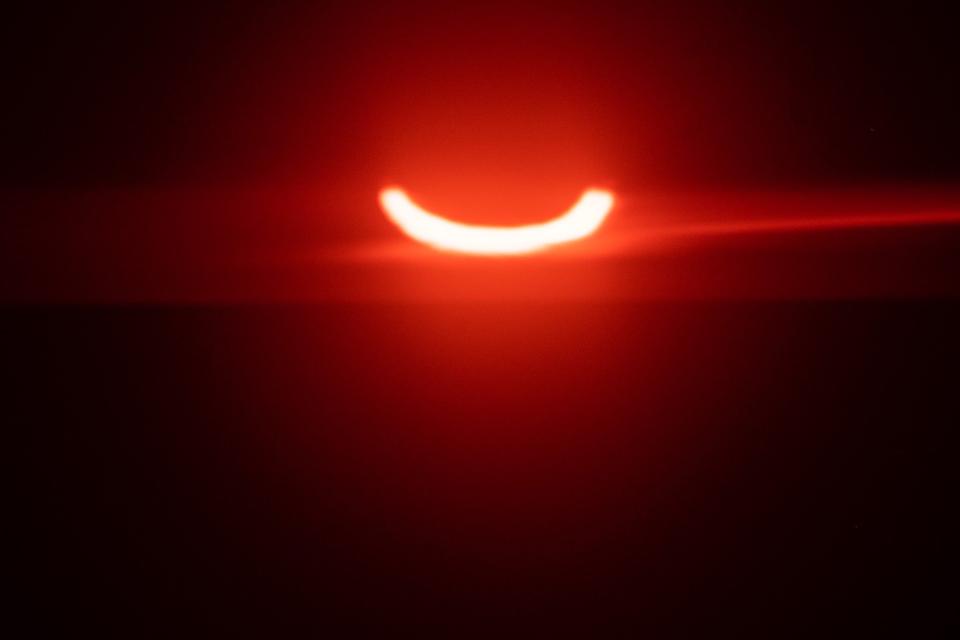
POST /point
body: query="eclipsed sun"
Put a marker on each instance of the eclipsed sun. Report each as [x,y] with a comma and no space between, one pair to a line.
[582,220]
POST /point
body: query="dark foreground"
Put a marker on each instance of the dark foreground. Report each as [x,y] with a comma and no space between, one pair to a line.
[470,468]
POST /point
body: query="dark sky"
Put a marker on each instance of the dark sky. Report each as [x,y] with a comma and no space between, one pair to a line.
[209,151]
[704,424]
[112,93]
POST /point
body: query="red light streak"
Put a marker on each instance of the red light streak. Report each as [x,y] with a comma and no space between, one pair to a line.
[813,224]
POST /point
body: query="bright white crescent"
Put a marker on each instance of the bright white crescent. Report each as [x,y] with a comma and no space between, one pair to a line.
[584,218]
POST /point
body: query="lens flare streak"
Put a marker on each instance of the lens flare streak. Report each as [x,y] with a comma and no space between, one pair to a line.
[811,224]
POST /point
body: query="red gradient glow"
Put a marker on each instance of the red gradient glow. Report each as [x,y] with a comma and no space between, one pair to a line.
[580,221]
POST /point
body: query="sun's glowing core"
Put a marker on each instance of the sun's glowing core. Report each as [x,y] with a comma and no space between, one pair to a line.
[583,219]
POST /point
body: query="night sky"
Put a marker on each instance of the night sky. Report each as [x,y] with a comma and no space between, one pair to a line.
[239,401]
